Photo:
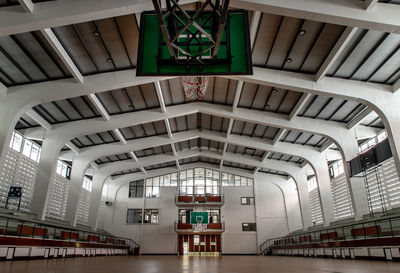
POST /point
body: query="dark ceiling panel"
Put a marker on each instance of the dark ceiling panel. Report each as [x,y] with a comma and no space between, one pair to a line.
[113,158]
[144,130]
[95,139]
[100,46]
[77,108]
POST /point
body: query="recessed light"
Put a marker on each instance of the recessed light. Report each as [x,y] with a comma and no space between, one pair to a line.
[288,60]
[109,60]
[274,90]
[124,91]
[130,105]
[268,106]
[96,33]
[302,32]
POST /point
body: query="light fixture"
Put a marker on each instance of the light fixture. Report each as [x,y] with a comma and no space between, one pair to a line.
[96,33]
[124,90]
[109,60]
[288,60]
[302,32]
[130,105]
[274,90]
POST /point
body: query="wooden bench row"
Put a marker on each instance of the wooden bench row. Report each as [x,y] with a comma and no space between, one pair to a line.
[355,232]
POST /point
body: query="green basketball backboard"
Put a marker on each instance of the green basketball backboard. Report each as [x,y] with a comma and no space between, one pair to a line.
[233,57]
[198,217]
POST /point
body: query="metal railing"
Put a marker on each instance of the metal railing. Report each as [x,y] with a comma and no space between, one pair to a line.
[207,227]
[12,227]
[199,199]
[384,228]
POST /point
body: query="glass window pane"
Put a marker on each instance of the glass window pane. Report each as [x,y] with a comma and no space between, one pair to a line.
[17,142]
[27,148]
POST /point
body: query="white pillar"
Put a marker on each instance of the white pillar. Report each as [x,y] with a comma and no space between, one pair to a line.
[78,169]
[97,190]
[305,208]
[51,148]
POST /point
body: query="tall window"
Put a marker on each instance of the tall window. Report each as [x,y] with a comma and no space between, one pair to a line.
[87,184]
[134,216]
[184,215]
[16,141]
[236,180]
[153,187]
[29,148]
[136,188]
[213,215]
[63,169]
[212,182]
[150,216]
[199,181]
[186,182]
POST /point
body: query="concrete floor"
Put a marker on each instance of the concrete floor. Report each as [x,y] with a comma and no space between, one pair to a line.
[175,264]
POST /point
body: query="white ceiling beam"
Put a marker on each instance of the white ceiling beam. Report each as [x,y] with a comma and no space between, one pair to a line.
[396,86]
[30,95]
[278,136]
[99,106]
[39,119]
[238,92]
[62,53]
[230,126]
[256,170]
[72,146]
[173,149]
[120,136]
[94,166]
[255,21]
[168,126]
[143,170]
[303,164]
[341,12]
[133,155]
[160,96]
[326,145]
[3,89]
[364,92]
[27,5]
[178,166]
[370,4]
[299,105]
[282,166]
[265,156]
[340,45]
[65,12]
[359,118]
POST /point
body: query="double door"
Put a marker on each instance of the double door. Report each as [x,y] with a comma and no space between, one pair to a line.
[199,243]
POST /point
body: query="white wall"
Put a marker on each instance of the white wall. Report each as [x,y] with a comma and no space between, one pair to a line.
[277,214]
[235,241]
[161,238]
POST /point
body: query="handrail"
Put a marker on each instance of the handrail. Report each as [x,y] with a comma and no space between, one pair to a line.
[388,227]
[10,226]
[204,196]
[222,226]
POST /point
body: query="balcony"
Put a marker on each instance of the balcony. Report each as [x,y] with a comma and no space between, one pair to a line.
[201,200]
[212,228]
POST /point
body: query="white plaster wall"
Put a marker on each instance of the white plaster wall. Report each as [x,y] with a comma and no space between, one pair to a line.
[161,237]
[271,214]
[235,241]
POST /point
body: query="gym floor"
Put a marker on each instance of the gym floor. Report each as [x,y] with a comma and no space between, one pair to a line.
[185,264]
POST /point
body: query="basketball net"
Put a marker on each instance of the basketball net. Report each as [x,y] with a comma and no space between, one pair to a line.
[195,87]
[199,226]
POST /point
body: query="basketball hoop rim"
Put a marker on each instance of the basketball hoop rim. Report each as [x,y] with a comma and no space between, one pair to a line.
[196,83]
